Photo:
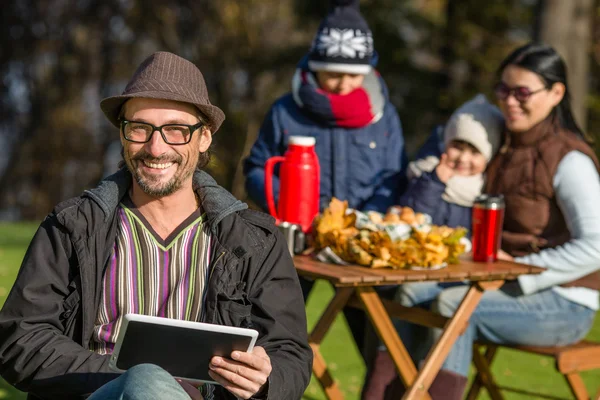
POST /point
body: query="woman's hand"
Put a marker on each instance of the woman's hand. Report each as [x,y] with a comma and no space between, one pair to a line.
[502,255]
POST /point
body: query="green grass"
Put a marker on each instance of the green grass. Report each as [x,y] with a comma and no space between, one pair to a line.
[340,352]
[511,368]
[14,239]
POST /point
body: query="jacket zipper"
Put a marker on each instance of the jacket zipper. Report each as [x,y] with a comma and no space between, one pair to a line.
[203,314]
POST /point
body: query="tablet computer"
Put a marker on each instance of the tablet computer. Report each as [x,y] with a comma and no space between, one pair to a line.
[183,348]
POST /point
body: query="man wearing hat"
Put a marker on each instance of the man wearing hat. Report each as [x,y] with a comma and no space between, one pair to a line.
[161,238]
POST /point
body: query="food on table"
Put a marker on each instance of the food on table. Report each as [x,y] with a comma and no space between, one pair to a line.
[399,239]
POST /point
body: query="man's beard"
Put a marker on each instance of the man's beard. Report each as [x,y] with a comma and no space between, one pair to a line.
[159,191]
[154,187]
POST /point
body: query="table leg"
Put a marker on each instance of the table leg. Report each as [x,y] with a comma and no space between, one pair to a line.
[484,374]
[316,337]
[386,331]
[438,353]
[481,380]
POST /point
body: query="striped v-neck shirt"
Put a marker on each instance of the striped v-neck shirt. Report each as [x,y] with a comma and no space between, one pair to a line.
[151,276]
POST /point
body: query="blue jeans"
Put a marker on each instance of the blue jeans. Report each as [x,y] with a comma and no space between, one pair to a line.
[142,382]
[504,316]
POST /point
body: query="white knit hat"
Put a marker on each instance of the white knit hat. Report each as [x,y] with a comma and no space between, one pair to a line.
[478,123]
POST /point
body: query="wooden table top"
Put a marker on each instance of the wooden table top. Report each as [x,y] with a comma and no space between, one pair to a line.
[355,275]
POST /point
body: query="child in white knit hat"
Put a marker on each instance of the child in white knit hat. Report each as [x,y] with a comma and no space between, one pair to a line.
[445,185]
[443,182]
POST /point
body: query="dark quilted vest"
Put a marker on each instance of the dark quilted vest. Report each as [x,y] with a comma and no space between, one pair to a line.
[523,171]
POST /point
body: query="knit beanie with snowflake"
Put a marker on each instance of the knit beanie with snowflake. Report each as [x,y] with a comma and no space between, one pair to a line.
[344,42]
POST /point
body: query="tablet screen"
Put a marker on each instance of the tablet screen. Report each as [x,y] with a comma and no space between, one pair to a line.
[183,352]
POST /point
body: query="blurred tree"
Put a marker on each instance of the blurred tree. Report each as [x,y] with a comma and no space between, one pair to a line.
[567,26]
[74,52]
[593,97]
[476,40]
[54,143]
[60,57]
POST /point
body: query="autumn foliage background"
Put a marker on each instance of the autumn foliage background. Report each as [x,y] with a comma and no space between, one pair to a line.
[58,58]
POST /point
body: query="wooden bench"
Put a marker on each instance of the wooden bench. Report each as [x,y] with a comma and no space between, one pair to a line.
[570,361]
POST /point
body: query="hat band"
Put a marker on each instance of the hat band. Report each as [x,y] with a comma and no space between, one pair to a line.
[361,69]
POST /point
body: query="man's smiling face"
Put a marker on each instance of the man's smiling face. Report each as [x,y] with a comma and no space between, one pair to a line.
[159,168]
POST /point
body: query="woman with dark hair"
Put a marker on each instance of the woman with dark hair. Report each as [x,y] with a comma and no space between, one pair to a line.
[549,177]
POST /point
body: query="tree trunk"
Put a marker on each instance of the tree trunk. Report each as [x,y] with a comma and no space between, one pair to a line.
[453,82]
[567,26]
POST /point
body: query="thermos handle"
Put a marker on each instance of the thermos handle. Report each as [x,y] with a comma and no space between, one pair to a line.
[269,166]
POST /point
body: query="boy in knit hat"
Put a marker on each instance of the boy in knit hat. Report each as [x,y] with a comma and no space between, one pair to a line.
[445,185]
[338,98]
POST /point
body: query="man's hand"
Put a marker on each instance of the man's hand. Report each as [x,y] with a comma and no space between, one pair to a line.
[245,375]
[445,169]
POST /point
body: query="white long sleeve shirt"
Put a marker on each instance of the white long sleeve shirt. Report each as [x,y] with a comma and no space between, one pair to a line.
[577,187]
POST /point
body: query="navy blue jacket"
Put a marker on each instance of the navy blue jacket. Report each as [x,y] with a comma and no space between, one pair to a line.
[365,166]
[424,194]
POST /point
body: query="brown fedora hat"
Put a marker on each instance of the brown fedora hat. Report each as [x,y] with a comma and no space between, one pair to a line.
[166,76]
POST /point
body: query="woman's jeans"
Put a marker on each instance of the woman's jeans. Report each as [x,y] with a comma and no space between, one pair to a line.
[142,382]
[504,316]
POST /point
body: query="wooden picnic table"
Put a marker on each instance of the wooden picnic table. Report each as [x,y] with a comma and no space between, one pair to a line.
[355,287]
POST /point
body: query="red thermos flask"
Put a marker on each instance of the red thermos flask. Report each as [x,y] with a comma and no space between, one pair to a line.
[488,217]
[299,177]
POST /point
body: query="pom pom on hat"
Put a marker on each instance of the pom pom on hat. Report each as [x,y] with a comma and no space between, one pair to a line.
[344,42]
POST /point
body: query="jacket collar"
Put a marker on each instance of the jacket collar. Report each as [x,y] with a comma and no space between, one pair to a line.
[217,202]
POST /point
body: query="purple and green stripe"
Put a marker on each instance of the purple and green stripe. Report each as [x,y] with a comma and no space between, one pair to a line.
[147,275]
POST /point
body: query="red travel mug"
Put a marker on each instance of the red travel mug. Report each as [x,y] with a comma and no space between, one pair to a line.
[488,217]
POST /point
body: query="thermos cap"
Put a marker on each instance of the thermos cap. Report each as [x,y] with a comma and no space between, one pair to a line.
[489,201]
[289,225]
[302,140]
[294,237]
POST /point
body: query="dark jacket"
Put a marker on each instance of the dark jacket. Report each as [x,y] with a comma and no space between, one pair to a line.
[424,193]
[362,165]
[47,321]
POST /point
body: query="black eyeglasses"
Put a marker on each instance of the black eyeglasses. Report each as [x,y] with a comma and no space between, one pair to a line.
[141,132]
[521,93]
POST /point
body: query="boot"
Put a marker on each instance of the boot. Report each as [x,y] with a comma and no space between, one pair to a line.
[380,374]
[395,390]
[448,385]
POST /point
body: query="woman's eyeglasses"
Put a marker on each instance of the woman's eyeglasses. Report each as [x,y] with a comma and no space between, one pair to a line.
[521,93]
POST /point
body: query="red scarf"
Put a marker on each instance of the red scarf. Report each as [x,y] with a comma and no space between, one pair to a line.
[359,108]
